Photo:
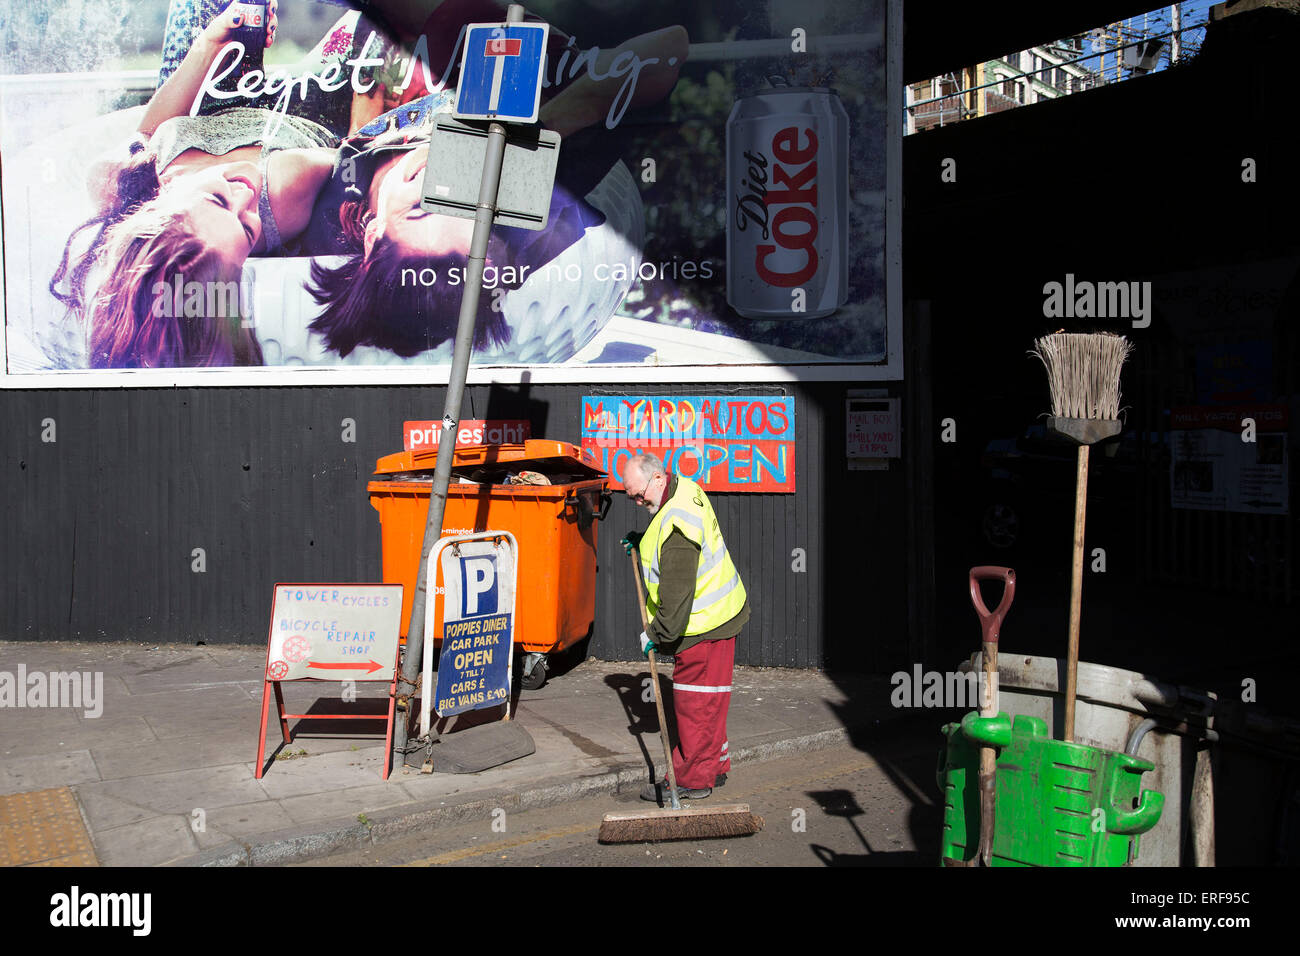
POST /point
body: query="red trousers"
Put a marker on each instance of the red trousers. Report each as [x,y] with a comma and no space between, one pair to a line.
[701,696]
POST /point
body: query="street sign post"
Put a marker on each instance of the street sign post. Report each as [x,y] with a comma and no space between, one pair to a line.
[504,101]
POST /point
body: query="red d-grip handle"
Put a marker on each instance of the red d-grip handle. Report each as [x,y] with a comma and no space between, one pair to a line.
[991,621]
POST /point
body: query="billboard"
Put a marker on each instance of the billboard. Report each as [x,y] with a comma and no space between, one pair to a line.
[197,191]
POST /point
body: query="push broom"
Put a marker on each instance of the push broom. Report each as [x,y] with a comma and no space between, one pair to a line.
[676,822]
[1083,375]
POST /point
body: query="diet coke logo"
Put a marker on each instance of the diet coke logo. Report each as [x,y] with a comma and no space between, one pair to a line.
[787,211]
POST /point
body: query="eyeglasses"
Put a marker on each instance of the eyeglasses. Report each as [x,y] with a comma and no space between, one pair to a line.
[639,496]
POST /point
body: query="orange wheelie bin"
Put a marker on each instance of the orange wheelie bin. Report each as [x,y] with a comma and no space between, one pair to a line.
[549,494]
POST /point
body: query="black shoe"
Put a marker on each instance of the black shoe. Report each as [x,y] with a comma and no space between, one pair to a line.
[662,794]
[719,780]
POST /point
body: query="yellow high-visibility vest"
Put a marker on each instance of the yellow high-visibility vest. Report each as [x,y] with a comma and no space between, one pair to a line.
[719,592]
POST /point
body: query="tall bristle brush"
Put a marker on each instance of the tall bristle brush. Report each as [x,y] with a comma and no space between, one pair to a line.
[1083,372]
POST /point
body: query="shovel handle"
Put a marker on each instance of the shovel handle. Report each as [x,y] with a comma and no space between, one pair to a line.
[991,621]
[990,626]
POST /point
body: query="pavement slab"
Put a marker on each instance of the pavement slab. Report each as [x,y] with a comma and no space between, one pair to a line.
[182,791]
[50,769]
[171,753]
[245,820]
[104,812]
[351,802]
[151,842]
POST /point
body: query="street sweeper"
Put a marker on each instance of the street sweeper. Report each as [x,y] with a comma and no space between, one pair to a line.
[697,606]
[692,605]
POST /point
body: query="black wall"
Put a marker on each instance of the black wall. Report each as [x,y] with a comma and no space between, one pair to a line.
[99,526]
[1133,181]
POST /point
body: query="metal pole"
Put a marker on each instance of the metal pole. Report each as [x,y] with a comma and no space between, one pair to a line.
[487,201]
[1177,25]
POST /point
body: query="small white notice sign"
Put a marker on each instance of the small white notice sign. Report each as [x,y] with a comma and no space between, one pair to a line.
[873,428]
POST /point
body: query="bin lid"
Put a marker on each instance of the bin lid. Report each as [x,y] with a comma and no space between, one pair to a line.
[550,455]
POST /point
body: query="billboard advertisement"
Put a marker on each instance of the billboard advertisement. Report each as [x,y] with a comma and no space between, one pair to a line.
[205,191]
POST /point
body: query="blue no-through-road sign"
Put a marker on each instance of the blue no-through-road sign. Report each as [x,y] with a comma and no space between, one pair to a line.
[501,72]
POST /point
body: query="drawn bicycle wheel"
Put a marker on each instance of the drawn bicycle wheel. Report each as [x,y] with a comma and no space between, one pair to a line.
[277,670]
[297,649]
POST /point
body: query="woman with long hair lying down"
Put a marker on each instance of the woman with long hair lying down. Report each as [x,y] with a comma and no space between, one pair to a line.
[191,198]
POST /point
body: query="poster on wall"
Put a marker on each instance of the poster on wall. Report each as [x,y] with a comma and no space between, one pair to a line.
[1230,458]
[205,191]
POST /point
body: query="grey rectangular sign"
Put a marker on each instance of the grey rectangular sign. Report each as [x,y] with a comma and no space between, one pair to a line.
[455,172]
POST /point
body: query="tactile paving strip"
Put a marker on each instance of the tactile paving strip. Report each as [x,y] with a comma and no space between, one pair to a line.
[43,828]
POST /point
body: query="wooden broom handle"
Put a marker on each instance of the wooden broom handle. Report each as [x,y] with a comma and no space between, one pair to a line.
[1076,591]
[654,680]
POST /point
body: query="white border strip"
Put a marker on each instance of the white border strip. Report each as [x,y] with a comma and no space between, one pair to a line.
[438,375]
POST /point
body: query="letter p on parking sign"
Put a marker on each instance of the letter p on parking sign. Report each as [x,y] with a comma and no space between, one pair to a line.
[501,72]
[478,585]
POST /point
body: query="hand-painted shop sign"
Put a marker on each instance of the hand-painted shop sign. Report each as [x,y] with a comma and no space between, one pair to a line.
[724,442]
[340,632]
[334,631]
[1267,418]
[478,614]
[472,431]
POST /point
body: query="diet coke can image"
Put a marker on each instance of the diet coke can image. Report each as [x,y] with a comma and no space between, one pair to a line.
[252,33]
[787,204]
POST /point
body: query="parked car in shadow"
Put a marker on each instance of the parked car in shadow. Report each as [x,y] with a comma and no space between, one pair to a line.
[1028,488]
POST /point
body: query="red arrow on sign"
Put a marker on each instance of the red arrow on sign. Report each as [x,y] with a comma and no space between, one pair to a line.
[369,666]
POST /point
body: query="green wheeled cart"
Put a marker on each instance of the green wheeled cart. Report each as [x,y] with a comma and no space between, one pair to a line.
[1057,804]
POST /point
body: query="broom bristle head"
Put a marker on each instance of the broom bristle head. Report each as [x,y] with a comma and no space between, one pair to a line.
[1083,372]
[654,826]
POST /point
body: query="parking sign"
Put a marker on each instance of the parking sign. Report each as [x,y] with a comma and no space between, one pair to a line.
[477,624]
[501,72]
